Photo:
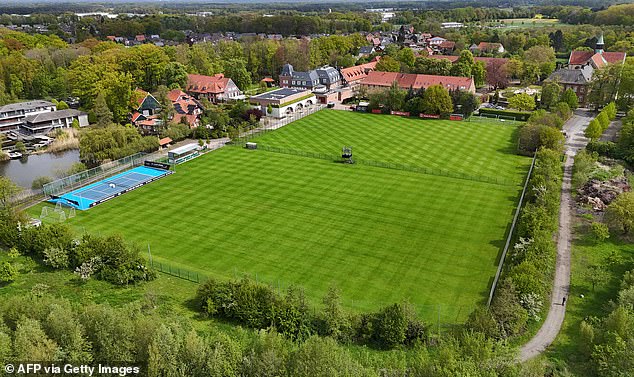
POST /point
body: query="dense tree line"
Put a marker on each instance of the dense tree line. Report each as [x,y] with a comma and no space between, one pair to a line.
[259,306]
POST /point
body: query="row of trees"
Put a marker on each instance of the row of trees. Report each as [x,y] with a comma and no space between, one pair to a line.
[624,146]
[38,326]
[435,100]
[527,278]
[598,125]
[259,306]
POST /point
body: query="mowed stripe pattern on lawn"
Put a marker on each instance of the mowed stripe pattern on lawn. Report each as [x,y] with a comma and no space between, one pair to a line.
[485,148]
[380,235]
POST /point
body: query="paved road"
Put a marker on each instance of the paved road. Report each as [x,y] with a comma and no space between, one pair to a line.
[574,128]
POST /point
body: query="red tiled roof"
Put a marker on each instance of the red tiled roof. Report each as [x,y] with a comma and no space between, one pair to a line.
[140,37]
[582,57]
[174,94]
[483,46]
[136,116]
[111,37]
[409,80]
[614,57]
[598,61]
[447,44]
[207,84]
[165,141]
[358,72]
[267,79]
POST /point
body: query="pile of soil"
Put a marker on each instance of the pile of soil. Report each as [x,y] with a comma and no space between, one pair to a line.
[600,194]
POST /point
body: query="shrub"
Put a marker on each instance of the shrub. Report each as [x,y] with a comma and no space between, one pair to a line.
[562,109]
[8,272]
[39,182]
[600,231]
[56,257]
[603,148]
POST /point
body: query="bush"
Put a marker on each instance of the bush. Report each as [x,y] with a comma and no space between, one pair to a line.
[562,109]
[39,182]
[8,272]
[600,231]
[603,148]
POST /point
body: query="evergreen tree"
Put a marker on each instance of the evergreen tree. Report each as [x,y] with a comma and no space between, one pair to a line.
[102,112]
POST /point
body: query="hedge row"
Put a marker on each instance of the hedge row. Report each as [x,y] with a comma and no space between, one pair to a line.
[518,115]
[524,290]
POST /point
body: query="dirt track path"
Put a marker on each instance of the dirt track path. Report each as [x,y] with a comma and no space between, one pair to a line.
[574,128]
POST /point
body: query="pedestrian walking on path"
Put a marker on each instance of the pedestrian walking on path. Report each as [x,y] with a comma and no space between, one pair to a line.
[563,302]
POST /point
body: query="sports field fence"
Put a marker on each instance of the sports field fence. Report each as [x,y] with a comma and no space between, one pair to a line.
[509,238]
[178,272]
[389,165]
[77,180]
[268,124]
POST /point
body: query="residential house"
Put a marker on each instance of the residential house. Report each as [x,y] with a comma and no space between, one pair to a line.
[446,47]
[48,121]
[216,88]
[377,79]
[577,79]
[454,58]
[12,115]
[146,116]
[186,108]
[321,79]
[487,48]
[435,41]
[365,51]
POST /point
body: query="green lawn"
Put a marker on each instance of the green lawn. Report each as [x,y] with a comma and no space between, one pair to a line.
[381,235]
[481,147]
[586,252]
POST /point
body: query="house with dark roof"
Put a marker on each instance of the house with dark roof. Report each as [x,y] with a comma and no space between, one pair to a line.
[321,79]
[577,79]
[216,88]
[12,115]
[577,75]
[46,122]
[380,80]
[365,51]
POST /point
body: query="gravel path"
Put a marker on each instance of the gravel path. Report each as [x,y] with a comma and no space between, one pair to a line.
[574,128]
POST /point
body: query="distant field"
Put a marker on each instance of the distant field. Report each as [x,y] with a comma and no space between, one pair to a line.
[381,235]
[530,22]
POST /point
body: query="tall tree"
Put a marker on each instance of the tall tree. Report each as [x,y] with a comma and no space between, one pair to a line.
[550,94]
[436,100]
[102,112]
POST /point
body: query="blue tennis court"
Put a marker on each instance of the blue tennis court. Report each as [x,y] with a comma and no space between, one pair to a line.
[106,189]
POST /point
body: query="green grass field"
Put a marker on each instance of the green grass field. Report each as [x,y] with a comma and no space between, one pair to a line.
[481,147]
[381,235]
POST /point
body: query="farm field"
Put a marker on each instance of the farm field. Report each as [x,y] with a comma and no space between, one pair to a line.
[380,235]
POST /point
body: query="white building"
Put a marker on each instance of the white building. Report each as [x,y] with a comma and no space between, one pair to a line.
[12,115]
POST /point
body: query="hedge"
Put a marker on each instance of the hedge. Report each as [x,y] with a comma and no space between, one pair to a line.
[518,115]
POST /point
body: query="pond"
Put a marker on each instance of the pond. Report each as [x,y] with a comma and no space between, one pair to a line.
[26,169]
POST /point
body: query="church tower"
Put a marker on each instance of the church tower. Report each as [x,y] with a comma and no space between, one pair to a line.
[600,45]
